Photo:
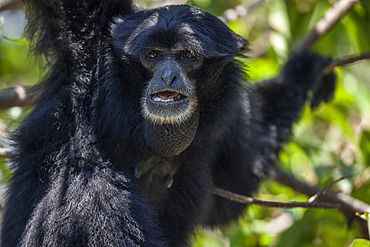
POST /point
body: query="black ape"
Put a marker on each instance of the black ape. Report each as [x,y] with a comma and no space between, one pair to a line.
[143,114]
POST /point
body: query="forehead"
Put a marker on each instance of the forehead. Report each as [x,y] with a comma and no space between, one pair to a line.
[173,27]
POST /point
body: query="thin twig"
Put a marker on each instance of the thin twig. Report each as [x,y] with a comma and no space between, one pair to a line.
[249,200]
[331,17]
[326,188]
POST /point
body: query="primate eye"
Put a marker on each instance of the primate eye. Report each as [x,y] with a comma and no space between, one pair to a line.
[189,55]
[152,54]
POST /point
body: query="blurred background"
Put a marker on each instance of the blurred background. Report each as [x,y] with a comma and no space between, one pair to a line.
[331,142]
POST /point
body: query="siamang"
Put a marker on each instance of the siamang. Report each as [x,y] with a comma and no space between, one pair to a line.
[143,113]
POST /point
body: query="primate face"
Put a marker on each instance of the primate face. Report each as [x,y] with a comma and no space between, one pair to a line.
[170,52]
[170,96]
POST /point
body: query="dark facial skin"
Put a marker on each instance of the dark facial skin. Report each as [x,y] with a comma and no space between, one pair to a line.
[170,96]
[169,102]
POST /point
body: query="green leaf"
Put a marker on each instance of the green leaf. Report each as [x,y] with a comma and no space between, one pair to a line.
[361,243]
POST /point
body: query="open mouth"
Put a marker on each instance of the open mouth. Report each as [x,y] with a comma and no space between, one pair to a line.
[167,96]
[168,106]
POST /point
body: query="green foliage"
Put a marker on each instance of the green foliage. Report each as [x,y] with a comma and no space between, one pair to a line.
[361,243]
[16,66]
[328,143]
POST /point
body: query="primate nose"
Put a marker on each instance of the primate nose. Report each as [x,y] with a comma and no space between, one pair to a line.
[168,77]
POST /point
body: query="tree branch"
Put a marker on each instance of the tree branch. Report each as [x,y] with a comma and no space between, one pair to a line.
[319,198]
[331,17]
[327,70]
[249,200]
[346,61]
[12,5]
[18,96]
[348,206]
[312,202]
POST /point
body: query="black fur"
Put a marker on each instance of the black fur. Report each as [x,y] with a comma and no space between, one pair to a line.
[80,150]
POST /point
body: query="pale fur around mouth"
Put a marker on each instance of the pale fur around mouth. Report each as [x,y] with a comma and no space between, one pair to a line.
[162,117]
